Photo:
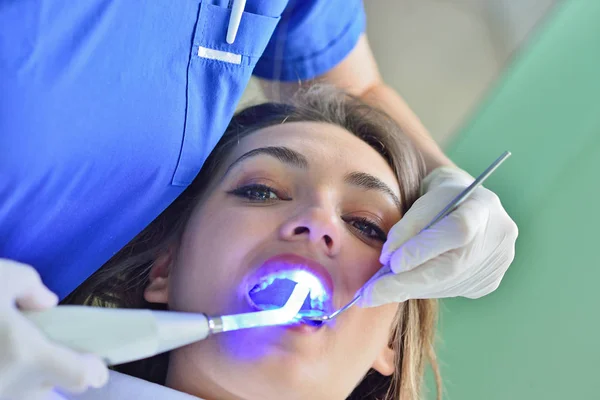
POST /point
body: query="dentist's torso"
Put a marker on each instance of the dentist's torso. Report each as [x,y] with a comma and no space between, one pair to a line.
[109,108]
[107,112]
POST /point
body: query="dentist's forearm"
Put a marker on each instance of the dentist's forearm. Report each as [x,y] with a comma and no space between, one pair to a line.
[386,98]
[359,75]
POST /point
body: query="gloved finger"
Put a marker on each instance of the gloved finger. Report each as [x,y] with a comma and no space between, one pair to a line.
[486,275]
[70,370]
[416,218]
[468,284]
[486,286]
[468,279]
[24,285]
[453,232]
[383,291]
[439,277]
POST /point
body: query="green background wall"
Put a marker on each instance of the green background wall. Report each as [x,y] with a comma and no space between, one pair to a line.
[538,335]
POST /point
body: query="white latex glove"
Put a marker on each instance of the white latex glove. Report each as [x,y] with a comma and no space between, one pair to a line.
[31,365]
[464,254]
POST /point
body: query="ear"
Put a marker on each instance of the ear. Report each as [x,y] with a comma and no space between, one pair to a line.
[385,363]
[157,290]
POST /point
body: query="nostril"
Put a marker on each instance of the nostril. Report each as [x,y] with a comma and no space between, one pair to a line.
[300,230]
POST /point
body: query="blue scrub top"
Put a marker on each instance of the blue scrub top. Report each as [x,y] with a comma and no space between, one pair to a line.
[108,110]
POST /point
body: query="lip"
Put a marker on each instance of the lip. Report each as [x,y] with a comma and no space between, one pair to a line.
[289,262]
[303,328]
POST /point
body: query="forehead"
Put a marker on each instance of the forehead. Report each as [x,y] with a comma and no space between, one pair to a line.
[326,146]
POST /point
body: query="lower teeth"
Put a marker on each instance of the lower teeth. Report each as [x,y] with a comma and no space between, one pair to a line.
[311,313]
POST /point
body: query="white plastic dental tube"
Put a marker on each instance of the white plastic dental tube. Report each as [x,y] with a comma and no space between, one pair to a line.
[124,335]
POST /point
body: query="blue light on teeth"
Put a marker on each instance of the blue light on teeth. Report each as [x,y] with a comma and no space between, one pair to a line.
[308,279]
[273,290]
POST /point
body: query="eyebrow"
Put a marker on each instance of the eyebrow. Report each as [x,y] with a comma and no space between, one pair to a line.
[283,154]
[297,160]
[369,182]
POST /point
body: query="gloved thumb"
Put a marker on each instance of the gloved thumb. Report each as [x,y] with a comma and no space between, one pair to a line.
[24,286]
[38,298]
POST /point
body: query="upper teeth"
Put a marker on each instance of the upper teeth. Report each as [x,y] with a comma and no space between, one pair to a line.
[318,294]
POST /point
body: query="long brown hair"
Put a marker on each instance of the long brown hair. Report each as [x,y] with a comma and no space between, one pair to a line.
[121,281]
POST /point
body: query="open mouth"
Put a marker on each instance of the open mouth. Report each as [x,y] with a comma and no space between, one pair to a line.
[272,287]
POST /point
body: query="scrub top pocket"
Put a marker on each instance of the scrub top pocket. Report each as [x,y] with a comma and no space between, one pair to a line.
[217,75]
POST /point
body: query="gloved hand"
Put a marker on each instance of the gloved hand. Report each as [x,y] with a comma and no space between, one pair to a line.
[464,254]
[30,365]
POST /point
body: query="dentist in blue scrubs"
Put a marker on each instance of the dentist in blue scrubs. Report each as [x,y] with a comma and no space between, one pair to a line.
[109,108]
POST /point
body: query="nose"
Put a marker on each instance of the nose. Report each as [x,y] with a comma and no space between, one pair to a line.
[317,225]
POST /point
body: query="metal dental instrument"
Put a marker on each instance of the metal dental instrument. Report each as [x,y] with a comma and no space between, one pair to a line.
[318,320]
[123,335]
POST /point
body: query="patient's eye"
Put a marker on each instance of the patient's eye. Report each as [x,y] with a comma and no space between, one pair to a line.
[367,228]
[259,193]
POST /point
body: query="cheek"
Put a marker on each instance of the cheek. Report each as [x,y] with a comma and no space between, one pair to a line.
[373,326]
[214,257]
[360,263]
[369,324]
[366,329]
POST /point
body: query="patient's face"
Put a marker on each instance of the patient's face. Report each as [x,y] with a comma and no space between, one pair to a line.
[322,195]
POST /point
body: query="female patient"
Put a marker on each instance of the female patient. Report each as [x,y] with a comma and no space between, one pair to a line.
[317,183]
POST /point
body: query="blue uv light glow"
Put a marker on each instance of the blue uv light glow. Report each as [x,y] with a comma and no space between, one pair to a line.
[316,288]
[274,290]
[250,345]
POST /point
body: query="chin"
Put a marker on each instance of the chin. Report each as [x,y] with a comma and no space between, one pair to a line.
[284,372]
